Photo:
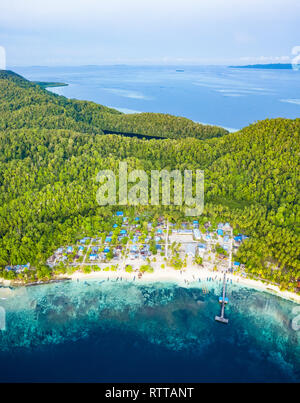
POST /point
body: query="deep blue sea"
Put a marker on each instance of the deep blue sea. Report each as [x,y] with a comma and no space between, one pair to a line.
[127,332]
[232,98]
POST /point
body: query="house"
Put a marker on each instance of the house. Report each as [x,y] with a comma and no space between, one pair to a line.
[185,231]
[190,249]
[69,249]
[59,251]
[123,232]
[227,227]
[226,239]
[81,248]
[95,249]
[18,268]
[201,249]
[108,239]
[93,256]
[220,225]
[238,239]
[83,240]
[197,234]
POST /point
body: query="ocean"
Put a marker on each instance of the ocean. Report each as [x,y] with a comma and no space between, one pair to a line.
[220,95]
[109,331]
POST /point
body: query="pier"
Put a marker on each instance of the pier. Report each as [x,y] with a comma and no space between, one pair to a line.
[223,300]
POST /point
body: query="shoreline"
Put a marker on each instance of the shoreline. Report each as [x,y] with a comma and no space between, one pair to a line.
[186,277]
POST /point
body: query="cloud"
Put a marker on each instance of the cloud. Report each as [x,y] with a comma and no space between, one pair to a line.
[291,101]
[76,32]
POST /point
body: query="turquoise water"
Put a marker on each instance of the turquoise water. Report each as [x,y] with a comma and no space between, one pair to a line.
[123,331]
[231,98]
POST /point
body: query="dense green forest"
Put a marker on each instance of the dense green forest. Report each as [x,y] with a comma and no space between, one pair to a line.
[52,148]
[39,108]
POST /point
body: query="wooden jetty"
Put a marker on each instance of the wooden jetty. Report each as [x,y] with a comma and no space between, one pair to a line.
[223,300]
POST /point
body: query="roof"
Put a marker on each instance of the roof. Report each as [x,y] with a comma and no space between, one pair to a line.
[190,249]
[197,233]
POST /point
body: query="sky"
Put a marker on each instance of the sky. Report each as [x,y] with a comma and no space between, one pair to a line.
[85,32]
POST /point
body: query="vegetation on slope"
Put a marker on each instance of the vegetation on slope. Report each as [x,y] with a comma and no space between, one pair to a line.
[39,108]
[48,168]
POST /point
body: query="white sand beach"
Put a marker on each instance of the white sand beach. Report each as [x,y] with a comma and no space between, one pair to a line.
[185,278]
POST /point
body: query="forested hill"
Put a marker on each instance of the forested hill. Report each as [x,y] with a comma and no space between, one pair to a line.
[26,104]
[51,152]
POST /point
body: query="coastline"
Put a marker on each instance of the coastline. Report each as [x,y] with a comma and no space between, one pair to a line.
[185,278]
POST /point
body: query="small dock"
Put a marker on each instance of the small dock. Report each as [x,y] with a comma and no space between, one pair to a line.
[223,300]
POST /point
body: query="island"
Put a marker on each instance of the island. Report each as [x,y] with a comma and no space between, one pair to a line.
[271,66]
[53,148]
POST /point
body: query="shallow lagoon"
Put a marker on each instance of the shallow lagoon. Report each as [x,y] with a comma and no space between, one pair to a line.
[126,331]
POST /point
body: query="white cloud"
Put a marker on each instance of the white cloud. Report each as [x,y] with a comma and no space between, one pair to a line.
[146,31]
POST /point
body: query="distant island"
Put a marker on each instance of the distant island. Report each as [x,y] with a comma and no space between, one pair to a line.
[45,84]
[275,66]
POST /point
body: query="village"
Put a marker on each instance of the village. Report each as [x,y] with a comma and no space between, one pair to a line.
[136,245]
